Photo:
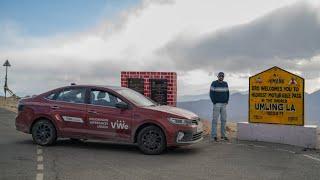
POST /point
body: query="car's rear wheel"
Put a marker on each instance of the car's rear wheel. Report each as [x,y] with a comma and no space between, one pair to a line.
[44,133]
[151,140]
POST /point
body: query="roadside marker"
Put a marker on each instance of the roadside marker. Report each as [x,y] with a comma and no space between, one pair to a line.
[40,167]
[39,176]
[40,158]
[259,146]
[311,157]
[241,144]
[39,151]
[285,150]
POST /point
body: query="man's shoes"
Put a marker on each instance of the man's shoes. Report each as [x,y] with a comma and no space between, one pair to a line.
[225,138]
[214,139]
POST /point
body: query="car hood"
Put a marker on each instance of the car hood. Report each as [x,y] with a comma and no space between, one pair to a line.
[174,110]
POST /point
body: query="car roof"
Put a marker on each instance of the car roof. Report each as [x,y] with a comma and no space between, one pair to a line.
[114,88]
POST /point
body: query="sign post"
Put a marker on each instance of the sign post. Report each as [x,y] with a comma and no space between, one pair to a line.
[5,87]
[276,96]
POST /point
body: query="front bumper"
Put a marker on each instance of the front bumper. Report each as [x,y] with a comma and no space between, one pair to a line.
[189,137]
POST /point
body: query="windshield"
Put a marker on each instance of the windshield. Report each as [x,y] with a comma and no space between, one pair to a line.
[135,97]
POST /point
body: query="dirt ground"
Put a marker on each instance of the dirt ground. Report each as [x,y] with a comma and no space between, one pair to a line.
[231,129]
[9,103]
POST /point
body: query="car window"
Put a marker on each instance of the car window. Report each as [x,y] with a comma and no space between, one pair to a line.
[51,96]
[103,98]
[76,95]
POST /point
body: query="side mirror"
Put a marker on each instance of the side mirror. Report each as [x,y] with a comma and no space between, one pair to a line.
[122,105]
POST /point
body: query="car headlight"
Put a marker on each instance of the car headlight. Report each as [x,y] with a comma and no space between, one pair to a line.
[180,121]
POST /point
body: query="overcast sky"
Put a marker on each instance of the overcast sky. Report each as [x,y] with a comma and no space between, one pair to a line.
[91,42]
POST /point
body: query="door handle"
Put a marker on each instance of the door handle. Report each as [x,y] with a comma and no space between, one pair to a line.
[55,107]
[93,112]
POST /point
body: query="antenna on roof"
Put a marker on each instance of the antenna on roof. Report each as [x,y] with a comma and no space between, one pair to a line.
[73,84]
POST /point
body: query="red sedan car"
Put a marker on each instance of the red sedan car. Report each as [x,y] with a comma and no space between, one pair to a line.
[108,113]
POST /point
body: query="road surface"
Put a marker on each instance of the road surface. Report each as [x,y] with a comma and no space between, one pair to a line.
[21,159]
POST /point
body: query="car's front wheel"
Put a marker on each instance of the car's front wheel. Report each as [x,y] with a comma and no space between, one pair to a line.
[151,140]
[44,133]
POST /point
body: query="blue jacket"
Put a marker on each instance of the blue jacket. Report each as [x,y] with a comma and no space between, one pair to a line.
[219,92]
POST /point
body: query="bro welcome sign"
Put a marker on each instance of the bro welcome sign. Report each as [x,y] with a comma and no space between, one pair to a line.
[276,96]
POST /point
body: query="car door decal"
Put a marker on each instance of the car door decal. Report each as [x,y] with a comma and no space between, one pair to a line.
[118,124]
[72,119]
[104,124]
[99,122]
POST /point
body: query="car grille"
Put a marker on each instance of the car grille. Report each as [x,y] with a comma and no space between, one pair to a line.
[196,136]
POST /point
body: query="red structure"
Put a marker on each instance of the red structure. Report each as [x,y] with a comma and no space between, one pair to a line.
[159,86]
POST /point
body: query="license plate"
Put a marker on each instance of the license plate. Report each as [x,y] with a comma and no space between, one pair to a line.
[199,127]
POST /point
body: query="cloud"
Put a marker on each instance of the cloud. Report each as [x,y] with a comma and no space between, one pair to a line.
[191,37]
[282,37]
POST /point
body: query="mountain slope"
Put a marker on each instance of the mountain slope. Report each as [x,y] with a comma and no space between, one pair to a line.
[237,108]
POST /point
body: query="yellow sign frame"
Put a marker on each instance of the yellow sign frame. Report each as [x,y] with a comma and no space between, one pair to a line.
[286,110]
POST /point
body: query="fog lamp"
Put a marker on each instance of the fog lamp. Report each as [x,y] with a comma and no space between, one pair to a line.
[180,136]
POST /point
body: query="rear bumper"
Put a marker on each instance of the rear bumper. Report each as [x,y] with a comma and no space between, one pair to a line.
[22,128]
[21,125]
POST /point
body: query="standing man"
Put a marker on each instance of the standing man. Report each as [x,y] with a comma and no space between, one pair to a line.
[219,94]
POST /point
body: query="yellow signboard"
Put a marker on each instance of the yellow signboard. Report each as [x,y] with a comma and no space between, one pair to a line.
[276,96]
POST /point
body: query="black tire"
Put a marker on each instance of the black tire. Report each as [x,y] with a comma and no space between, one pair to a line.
[151,140]
[44,133]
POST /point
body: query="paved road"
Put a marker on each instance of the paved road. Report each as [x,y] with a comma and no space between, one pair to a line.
[21,159]
[17,152]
